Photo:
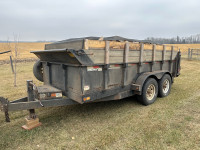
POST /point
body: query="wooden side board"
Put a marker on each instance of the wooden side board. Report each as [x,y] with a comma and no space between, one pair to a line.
[97,44]
[101,45]
[116,56]
[111,52]
[137,52]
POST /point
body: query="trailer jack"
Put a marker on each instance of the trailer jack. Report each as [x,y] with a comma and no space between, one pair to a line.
[32,121]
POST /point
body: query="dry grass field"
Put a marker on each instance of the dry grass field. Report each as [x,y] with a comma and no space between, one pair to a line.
[170,123]
[23,49]
[184,47]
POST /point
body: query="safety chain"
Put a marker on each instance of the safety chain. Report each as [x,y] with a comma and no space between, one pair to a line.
[6,113]
[4,107]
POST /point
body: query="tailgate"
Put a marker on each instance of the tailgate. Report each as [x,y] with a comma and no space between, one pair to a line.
[65,56]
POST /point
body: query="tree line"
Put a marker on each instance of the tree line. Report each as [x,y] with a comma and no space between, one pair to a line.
[193,39]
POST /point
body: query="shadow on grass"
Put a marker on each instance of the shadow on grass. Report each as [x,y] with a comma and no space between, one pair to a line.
[89,110]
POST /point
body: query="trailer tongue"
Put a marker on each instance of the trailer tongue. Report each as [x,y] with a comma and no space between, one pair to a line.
[92,69]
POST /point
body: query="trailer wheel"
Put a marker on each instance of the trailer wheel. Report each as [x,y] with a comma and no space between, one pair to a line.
[38,70]
[164,86]
[149,92]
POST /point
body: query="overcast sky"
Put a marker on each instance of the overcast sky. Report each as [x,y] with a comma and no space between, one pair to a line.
[62,19]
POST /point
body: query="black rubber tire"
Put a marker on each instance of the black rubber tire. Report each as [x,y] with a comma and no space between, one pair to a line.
[143,97]
[161,93]
[38,70]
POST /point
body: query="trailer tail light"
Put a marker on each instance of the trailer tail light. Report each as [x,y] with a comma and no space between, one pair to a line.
[86,98]
[56,94]
[43,96]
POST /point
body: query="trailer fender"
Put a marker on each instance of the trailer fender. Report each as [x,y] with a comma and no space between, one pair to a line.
[138,85]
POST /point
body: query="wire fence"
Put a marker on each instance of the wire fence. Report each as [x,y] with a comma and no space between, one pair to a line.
[193,54]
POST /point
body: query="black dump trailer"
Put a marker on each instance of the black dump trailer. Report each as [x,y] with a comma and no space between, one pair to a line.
[93,69]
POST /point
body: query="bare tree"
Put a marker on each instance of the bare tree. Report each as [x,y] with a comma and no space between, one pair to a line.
[9,48]
[16,42]
[14,56]
[176,40]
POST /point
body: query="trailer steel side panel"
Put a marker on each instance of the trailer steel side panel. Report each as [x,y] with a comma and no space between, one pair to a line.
[77,82]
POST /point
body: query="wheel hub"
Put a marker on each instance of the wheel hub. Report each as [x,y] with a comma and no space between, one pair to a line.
[150,93]
[166,86]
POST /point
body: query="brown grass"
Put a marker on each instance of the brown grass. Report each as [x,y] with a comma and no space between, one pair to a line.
[23,49]
[170,123]
[184,47]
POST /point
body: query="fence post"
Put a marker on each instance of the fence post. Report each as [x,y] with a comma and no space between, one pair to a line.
[11,63]
[188,53]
